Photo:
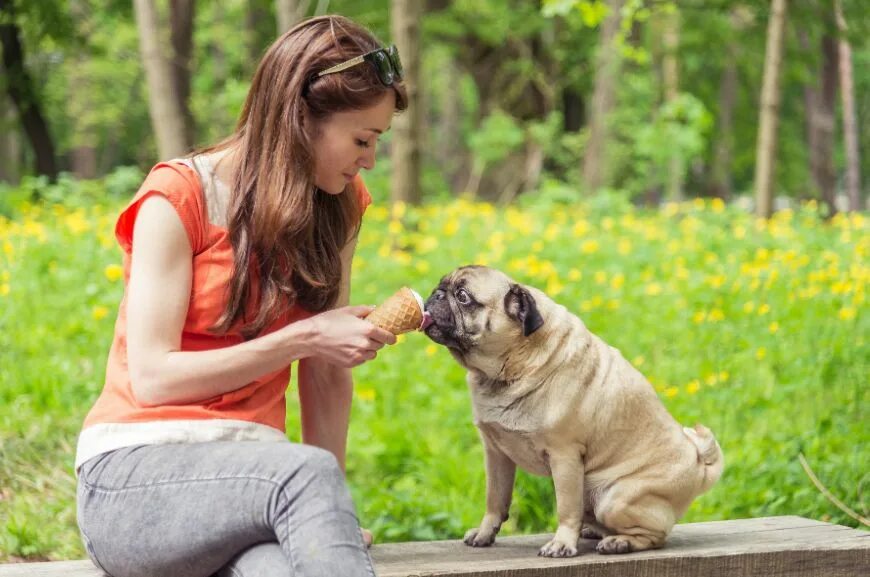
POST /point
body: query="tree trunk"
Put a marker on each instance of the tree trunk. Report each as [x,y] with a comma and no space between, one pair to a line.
[450,150]
[257,34]
[721,183]
[167,117]
[10,143]
[824,121]
[20,88]
[405,23]
[850,125]
[819,97]
[603,95]
[671,82]
[289,13]
[182,17]
[765,155]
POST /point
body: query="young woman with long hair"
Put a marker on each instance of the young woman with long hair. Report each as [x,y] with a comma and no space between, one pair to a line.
[237,262]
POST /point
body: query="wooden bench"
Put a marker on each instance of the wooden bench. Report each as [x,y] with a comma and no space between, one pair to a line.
[768,546]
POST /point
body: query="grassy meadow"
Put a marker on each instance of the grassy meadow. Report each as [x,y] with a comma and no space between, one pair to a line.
[760,330]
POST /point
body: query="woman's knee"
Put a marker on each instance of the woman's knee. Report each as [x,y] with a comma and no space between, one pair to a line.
[260,560]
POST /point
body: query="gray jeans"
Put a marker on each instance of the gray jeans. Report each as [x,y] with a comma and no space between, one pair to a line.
[235,509]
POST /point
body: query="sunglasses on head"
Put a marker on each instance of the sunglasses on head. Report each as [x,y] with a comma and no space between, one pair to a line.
[384,60]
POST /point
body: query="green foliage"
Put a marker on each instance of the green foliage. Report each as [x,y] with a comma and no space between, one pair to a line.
[757,329]
[498,136]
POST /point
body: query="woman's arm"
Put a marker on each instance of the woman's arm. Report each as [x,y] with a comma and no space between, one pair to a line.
[326,390]
[157,299]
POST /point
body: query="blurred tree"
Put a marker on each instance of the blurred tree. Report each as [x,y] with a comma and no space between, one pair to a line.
[289,12]
[407,133]
[10,146]
[164,103]
[850,127]
[721,181]
[820,98]
[181,18]
[769,111]
[607,65]
[23,93]
[671,82]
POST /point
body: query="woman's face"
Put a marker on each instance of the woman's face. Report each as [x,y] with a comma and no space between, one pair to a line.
[347,141]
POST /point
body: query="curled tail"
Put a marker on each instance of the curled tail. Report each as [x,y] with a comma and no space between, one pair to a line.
[710,455]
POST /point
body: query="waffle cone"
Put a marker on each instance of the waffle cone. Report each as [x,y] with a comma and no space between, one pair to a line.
[401,313]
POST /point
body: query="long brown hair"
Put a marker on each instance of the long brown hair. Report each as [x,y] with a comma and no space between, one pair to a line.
[283,229]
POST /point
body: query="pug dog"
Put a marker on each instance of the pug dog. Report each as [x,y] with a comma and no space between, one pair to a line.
[554,399]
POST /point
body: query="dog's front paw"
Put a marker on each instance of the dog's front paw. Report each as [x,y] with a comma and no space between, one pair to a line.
[614,544]
[558,548]
[479,537]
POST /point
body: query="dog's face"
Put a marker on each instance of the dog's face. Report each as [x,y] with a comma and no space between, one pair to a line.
[480,312]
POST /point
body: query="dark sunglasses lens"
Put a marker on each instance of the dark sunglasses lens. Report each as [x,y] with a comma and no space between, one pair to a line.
[393,53]
[384,68]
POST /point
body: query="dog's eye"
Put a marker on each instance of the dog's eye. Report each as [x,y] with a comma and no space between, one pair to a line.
[462,297]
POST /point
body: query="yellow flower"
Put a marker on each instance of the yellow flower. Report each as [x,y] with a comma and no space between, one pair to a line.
[773,327]
[749,307]
[764,309]
[574,274]
[399,209]
[617,281]
[653,289]
[638,361]
[699,317]
[395,227]
[760,353]
[366,394]
[581,227]
[718,205]
[99,312]
[451,228]
[671,392]
[715,315]
[693,386]
[723,376]
[114,272]
[846,314]
[431,350]
[589,246]
[554,287]
[4,289]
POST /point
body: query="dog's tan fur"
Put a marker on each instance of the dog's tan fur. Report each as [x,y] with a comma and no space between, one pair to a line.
[560,402]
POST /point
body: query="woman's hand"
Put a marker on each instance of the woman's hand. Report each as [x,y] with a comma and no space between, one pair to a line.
[341,336]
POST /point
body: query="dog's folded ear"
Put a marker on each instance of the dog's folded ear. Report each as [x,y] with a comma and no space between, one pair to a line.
[520,305]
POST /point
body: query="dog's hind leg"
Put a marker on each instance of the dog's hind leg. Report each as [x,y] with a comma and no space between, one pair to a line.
[635,524]
[592,529]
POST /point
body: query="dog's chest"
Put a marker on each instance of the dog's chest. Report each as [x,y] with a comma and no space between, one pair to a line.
[522,447]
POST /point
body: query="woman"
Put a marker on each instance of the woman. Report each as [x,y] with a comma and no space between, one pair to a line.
[237,262]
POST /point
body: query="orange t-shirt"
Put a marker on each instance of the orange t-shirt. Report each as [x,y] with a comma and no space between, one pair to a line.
[117,418]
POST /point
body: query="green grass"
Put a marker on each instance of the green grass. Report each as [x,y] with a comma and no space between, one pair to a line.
[758,330]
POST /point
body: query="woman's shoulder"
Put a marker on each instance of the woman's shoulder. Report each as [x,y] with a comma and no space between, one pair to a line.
[176,180]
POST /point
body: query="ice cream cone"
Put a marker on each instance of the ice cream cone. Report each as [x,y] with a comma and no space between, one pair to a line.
[401,313]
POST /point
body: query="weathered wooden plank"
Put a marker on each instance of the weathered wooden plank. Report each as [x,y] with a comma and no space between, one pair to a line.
[770,546]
